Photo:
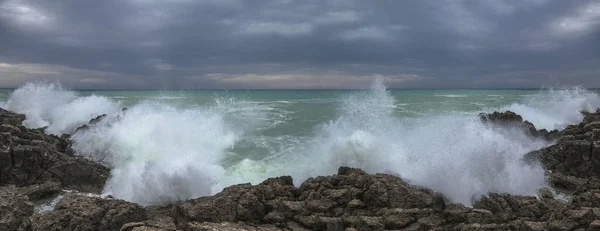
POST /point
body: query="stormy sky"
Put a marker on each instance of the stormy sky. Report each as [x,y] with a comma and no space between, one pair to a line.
[199,44]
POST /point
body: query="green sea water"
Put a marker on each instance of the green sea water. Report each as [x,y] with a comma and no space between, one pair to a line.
[320,105]
[174,145]
[297,112]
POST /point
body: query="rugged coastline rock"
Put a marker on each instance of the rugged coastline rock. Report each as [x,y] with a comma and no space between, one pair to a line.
[76,212]
[574,160]
[40,166]
[29,157]
[349,200]
[92,122]
[511,119]
[15,209]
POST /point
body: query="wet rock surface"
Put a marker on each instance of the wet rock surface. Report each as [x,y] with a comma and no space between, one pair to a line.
[29,156]
[76,212]
[573,162]
[15,209]
[92,122]
[349,200]
[511,119]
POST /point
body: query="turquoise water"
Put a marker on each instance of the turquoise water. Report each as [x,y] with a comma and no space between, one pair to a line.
[320,105]
[297,113]
[174,145]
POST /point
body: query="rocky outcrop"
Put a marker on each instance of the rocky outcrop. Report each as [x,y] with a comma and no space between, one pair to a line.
[351,198]
[41,191]
[15,209]
[575,158]
[511,119]
[29,156]
[76,212]
[92,122]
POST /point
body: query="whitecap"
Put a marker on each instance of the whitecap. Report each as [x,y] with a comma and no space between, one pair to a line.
[451,96]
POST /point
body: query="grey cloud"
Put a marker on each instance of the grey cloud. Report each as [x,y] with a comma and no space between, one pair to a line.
[301,44]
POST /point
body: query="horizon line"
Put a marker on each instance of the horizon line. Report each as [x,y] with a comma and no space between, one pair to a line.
[291,89]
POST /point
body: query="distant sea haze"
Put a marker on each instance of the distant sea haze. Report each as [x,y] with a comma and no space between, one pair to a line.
[175,145]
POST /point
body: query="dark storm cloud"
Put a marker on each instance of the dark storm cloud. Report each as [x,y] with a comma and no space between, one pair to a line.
[300,44]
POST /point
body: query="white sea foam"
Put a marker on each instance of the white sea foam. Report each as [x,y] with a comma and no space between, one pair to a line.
[169,97]
[556,108]
[451,96]
[456,155]
[60,110]
[160,154]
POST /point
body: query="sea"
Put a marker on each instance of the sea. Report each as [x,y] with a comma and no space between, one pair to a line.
[164,146]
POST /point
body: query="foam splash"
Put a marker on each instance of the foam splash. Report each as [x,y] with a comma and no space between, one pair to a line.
[49,105]
[454,154]
[451,96]
[556,108]
[160,154]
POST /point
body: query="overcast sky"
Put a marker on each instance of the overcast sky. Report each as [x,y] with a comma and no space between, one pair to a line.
[182,44]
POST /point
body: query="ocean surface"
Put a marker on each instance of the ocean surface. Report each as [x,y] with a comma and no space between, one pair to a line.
[174,145]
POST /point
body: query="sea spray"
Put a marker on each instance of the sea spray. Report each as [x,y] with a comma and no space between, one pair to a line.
[454,154]
[49,105]
[160,153]
[555,109]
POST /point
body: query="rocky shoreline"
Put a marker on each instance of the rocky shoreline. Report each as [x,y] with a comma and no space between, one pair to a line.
[35,166]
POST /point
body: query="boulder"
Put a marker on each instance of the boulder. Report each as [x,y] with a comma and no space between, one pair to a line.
[15,209]
[41,191]
[511,119]
[77,212]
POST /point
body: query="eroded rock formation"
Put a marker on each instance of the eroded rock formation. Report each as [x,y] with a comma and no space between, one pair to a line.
[29,156]
[511,119]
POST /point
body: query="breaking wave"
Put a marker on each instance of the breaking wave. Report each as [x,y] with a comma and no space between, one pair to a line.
[49,105]
[555,109]
[160,153]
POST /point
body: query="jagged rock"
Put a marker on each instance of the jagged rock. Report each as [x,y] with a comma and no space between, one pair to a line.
[586,198]
[575,158]
[75,212]
[511,119]
[95,121]
[236,203]
[28,156]
[594,225]
[501,117]
[160,224]
[91,123]
[352,198]
[511,207]
[228,226]
[15,209]
[159,218]
[41,191]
